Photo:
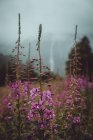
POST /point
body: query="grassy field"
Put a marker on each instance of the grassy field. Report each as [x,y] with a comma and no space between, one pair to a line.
[4,91]
[56,87]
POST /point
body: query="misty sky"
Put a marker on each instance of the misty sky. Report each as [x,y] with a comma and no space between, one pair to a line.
[58,18]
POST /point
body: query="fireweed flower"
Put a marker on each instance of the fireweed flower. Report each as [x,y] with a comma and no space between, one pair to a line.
[74,93]
[10,106]
[72,101]
[77,120]
[49,112]
[18,91]
[41,108]
[83,83]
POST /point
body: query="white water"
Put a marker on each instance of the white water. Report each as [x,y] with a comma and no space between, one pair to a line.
[51,57]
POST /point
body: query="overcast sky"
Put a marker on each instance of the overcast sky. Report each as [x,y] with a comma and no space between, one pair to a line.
[58,17]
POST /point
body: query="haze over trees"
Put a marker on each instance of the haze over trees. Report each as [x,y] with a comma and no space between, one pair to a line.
[84,62]
[84,59]
[8,67]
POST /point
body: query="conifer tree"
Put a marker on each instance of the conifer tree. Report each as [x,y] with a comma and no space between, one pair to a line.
[80,60]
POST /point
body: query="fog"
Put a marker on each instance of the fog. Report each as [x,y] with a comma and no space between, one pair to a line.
[58,18]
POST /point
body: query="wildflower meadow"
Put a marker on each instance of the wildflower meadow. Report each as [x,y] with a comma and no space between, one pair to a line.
[43,107]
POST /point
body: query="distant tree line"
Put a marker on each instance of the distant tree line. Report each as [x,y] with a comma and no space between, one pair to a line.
[3,64]
[84,59]
[8,70]
[83,65]
[28,70]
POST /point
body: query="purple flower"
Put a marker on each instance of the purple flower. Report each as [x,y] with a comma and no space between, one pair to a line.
[76,120]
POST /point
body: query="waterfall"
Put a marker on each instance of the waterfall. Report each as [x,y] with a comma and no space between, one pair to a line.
[51,57]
